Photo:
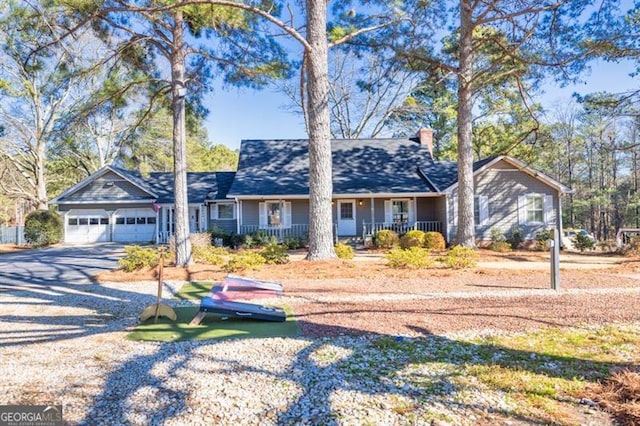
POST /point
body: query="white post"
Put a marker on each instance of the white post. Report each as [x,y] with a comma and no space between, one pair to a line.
[555,259]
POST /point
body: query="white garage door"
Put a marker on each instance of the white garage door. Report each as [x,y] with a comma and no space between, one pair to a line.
[86,226]
[134,225]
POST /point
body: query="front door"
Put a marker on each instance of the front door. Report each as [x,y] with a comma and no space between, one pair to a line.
[346,217]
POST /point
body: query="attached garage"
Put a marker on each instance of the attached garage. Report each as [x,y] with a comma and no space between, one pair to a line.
[134,225]
[86,226]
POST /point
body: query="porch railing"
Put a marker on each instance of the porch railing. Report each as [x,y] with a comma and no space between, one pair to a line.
[300,230]
[401,228]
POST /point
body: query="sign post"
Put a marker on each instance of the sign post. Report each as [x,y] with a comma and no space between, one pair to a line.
[554,244]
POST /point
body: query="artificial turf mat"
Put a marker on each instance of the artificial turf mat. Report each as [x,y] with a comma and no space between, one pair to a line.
[194,290]
[212,327]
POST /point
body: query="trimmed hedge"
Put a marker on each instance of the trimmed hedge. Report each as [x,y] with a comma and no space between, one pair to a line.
[387,239]
[413,238]
[434,241]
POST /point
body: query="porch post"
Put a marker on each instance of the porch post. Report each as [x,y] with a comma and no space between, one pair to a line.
[281,220]
[415,212]
[239,215]
[157,225]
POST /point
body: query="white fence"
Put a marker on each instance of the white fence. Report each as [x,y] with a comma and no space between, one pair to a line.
[12,235]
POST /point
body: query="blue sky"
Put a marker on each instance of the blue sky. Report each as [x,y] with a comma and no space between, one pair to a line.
[237,114]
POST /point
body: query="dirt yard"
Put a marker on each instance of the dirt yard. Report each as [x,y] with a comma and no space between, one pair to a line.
[509,292]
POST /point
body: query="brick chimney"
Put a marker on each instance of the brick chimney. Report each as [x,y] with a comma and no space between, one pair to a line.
[425,135]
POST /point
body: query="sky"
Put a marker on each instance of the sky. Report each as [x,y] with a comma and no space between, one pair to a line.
[237,114]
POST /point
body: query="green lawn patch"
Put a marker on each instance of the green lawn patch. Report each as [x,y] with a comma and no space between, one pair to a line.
[212,327]
[194,290]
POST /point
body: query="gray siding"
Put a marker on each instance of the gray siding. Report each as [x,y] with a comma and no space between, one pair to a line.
[109,187]
[228,226]
[102,206]
[503,184]
[251,211]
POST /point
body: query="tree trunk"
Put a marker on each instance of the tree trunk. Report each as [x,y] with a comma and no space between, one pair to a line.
[466,227]
[41,182]
[320,178]
[178,93]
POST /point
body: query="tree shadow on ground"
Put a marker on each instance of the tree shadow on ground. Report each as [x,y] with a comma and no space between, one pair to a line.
[396,378]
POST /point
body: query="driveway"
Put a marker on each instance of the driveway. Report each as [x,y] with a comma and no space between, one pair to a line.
[57,265]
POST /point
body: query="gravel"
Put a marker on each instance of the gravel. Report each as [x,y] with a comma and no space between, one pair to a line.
[67,344]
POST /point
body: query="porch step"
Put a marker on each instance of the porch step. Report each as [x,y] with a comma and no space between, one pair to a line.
[351,241]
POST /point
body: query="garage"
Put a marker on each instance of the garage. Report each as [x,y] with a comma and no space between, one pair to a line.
[86,226]
[134,225]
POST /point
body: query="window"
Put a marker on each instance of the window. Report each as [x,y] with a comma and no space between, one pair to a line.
[151,220]
[480,210]
[104,221]
[273,214]
[535,209]
[83,221]
[225,211]
[346,211]
[141,220]
[400,211]
[94,221]
[119,220]
[131,221]
[73,221]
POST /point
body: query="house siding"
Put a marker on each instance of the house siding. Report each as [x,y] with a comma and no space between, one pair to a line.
[101,189]
[63,208]
[503,184]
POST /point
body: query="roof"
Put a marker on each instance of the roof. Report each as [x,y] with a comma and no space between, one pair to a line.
[199,185]
[360,166]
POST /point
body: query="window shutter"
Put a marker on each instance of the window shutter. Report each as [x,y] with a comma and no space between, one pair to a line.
[522,209]
[412,213]
[388,217]
[263,214]
[287,214]
[483,202]
[203,218]
[214,211]
[548,210]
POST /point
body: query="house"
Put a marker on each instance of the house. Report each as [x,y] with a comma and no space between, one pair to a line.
[377,184]
[114,204]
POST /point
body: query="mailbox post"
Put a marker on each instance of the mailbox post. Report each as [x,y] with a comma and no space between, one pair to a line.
[554,244]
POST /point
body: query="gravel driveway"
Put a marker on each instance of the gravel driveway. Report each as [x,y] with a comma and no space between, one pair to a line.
[63,340]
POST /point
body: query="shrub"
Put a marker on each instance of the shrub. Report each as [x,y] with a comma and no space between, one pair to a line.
[582,242]
[541,238]
[137,258]
[209,255]
[500,246]
[460,257]
[43,228]
[215,232]
[387,238]
[237,240]
[293,243]
[344,251]
[275,254]
[202,239]
[411,258]
[434,241]
[497,236]
[516,238]
[413,238]
[259,239]
[243,259]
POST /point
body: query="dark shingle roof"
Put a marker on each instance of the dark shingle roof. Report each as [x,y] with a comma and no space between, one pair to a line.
[360,166]
[443,174]
[199,185]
